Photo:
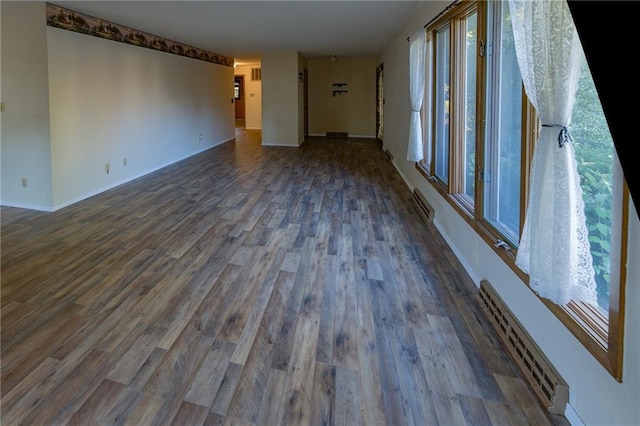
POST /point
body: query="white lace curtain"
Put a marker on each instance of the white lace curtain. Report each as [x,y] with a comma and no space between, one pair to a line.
[417,53]
[554,246]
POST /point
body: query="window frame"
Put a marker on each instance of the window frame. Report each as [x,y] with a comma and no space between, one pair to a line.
[603,337]
[432,42]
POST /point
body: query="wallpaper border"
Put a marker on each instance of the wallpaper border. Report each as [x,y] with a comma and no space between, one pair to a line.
[71,20]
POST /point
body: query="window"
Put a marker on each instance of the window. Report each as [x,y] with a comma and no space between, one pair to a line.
[468,91]
[595,154]
[481,131]
[256,74]
[606,199]
[501,174]
[441,104]
[454,46]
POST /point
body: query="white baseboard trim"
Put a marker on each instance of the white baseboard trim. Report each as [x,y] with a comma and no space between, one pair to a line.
[280,145]
[572,416]
[446,237]
[131,178]
[26,206]
[459,256]
[105,188]
[362,136]
[348,136]
[404,178]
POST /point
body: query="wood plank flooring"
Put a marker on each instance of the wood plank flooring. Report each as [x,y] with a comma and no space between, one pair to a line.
[249,285]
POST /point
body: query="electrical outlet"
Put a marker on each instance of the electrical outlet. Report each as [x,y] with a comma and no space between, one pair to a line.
[107,168]
[124,162]
[25,182]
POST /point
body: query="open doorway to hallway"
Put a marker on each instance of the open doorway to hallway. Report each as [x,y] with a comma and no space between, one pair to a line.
[248,90]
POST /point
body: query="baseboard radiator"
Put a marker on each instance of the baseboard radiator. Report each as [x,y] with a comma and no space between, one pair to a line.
[337,134]
[545,381]
[388,155]
[423,206]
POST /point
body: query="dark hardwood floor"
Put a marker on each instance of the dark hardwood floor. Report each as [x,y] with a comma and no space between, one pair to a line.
[249,285]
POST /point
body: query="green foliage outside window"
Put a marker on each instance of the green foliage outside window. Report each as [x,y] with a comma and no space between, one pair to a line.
[594,153]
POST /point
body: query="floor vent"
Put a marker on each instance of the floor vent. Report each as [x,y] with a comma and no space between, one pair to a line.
[545,381]
[337,135]
[389,156]
[423,206]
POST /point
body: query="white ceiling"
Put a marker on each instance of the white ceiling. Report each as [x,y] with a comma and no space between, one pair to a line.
[246,29]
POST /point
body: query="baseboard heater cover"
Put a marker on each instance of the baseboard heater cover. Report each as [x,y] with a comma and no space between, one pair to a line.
[547,384]
[388,155]
[423,205]
[337,134]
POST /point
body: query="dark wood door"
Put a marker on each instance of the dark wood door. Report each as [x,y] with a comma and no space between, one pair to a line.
[239,97]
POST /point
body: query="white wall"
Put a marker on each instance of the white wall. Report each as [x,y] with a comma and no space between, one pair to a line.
[112,101]
[596,397]
[353,112]
[252,98]
[25,148]
[280,99]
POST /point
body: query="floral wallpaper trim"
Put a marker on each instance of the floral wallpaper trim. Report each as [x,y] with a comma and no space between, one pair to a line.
[66,19]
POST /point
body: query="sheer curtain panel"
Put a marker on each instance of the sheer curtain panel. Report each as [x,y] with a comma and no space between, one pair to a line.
[554,246]
[417,56]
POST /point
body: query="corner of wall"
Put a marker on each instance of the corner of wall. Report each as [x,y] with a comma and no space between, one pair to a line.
[26,136]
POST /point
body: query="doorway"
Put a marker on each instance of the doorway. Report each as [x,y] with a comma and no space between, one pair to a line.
[379,102]
[238,99]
